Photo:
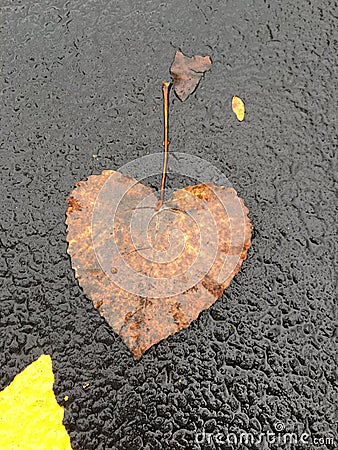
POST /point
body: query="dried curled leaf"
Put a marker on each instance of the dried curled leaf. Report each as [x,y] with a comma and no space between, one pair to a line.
[238,107]
[150,273]
[187,73]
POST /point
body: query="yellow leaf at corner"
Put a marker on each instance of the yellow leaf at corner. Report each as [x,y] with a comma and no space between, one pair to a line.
[30,417]
[238,107]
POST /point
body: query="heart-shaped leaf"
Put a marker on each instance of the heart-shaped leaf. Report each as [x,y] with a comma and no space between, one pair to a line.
[151,272]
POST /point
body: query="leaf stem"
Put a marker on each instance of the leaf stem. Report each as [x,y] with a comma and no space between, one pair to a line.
[166,85]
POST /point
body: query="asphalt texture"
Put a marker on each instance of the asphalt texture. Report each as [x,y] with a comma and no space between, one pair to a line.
[81,92]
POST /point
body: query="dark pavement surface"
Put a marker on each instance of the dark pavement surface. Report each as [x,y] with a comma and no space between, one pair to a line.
[82,78]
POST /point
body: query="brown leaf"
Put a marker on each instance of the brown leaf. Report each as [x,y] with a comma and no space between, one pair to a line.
[187,73]
[150,273]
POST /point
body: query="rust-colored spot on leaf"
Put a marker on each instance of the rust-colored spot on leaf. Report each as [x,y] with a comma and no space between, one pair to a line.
[238,107]
[151,272]
[187,72]
[73,205]
[179,316]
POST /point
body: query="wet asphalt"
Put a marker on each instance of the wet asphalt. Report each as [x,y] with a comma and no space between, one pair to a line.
[81,92]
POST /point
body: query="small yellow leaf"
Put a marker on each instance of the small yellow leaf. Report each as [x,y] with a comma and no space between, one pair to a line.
[238,107]
[30,417]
